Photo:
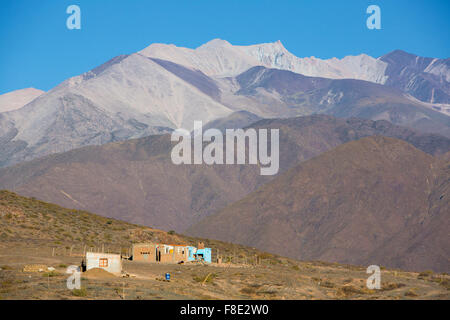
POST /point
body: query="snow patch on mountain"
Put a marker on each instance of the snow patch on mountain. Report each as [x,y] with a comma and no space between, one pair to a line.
[440,68]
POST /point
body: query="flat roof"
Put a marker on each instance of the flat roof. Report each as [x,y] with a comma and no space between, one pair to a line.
[161,244]
[111,255]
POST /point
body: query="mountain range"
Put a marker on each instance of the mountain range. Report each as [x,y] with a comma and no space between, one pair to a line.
[364,149]
[136,181]
[164,87]
[376,200]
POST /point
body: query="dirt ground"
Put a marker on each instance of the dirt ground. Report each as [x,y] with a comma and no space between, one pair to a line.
[302,280]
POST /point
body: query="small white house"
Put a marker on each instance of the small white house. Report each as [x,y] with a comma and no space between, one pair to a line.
[107,261]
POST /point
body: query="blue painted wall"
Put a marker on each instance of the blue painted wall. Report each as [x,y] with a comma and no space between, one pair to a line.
[205,252]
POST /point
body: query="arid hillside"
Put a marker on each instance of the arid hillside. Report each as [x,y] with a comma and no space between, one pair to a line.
[34,233]
[28,221]
[376,200]
[136,180]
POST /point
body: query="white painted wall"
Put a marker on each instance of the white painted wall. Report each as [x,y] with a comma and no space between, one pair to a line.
[114,261]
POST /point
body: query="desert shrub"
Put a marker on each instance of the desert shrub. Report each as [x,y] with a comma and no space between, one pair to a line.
[274,261]
[440,280]
[327,284]
[425,274]
[248,290]
[392,286]
[270,291]
[5,267]
[349,290]
[348,280]
[265,256]
[411,293]
[51,274]
[209,278]
[79,292]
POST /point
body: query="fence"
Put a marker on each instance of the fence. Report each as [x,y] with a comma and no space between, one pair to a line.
[80,250]
[231,259]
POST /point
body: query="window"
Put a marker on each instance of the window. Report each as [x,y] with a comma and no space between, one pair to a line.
[103,263]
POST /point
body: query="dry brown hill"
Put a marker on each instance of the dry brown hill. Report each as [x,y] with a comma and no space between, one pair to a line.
[376,201]
[31,222]
[136,181]
[38,234]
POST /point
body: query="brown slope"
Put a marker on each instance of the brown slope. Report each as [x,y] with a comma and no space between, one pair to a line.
[133,180]
[365,202]
[429,244]
[136,181]
[29,229]
[31,222]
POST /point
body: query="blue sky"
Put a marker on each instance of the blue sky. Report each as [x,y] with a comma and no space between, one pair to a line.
[37,50]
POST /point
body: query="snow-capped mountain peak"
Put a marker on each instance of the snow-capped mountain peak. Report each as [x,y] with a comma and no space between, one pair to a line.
[215,43]
[219,58]
[164,87]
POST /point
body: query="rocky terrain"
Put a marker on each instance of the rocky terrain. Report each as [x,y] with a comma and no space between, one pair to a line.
[136,180]
[33,234]
[376,200]
[164,87]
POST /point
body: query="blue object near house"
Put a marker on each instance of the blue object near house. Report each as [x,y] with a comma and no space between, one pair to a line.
[199,254]
[168,276]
